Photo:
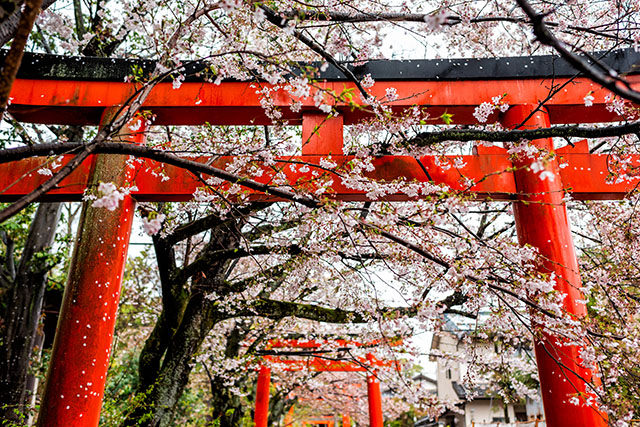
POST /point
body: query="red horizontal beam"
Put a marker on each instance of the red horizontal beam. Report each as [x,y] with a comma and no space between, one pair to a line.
[302,343]
[238,103]
[319,364]
[586,176]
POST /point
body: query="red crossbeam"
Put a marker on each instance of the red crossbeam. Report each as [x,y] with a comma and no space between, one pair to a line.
[585,176]
[318,363]
[334,343]
[238,103]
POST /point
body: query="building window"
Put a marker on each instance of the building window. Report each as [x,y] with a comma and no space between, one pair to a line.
[448,374]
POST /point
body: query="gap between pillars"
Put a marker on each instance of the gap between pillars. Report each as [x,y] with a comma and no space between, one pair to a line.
[541,221]
[82,345]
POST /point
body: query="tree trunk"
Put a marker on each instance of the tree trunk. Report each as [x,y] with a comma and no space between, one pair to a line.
[158,407]
[191,315]
[23,303]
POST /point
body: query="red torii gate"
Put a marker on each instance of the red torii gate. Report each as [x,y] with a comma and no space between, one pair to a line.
[315,362]
[55,90]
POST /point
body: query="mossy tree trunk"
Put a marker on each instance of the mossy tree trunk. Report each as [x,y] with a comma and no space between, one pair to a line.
[186,319]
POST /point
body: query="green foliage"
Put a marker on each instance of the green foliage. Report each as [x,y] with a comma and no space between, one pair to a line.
[192,409]
[122,382]
[17,227]
[22,419]
[447,118]
[406,419]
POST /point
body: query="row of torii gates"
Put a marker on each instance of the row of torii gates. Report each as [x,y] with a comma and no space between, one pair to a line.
[85,91]
[309,355]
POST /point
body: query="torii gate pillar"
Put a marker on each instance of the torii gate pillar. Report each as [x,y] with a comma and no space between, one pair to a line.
[375,398]
[541,221]
[82,346]
[261,415]
[375,401]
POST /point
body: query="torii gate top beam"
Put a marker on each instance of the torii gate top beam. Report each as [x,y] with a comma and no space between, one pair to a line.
[65,90]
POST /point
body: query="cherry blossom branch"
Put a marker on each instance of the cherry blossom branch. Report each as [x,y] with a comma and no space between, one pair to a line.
[426,254]
[160,156]
[424,139]
[207,222]
[542,342]
[206,257]
[14,57]
[276,310]
[283,23]
[451,20]
[609,79]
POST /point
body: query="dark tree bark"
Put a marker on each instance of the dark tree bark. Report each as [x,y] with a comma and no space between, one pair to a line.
[227,408]
[178,335]
[22,304]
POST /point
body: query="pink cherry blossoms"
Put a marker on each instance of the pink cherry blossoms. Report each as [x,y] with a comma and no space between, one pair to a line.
[153,225]
[484,110]
[109,198]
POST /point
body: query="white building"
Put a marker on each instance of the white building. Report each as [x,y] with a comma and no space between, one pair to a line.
[484,409]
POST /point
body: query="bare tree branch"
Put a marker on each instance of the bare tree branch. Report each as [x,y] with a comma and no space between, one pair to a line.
[14,57]
[609,79]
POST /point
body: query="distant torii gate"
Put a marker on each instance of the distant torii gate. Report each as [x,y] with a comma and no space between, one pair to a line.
[314,362]
[84,91]
[326,422]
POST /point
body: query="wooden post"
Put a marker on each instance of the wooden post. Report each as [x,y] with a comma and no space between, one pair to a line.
[541,221]
[82,346]
[375,398]
[261,416]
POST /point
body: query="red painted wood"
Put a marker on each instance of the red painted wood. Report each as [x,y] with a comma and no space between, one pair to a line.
[586,176]
[82,346]
[323,422]
[237,103]
[317,364]
[334,343]
[322,135]
[375,399]
[541,221]
[346,421]
[261,416]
